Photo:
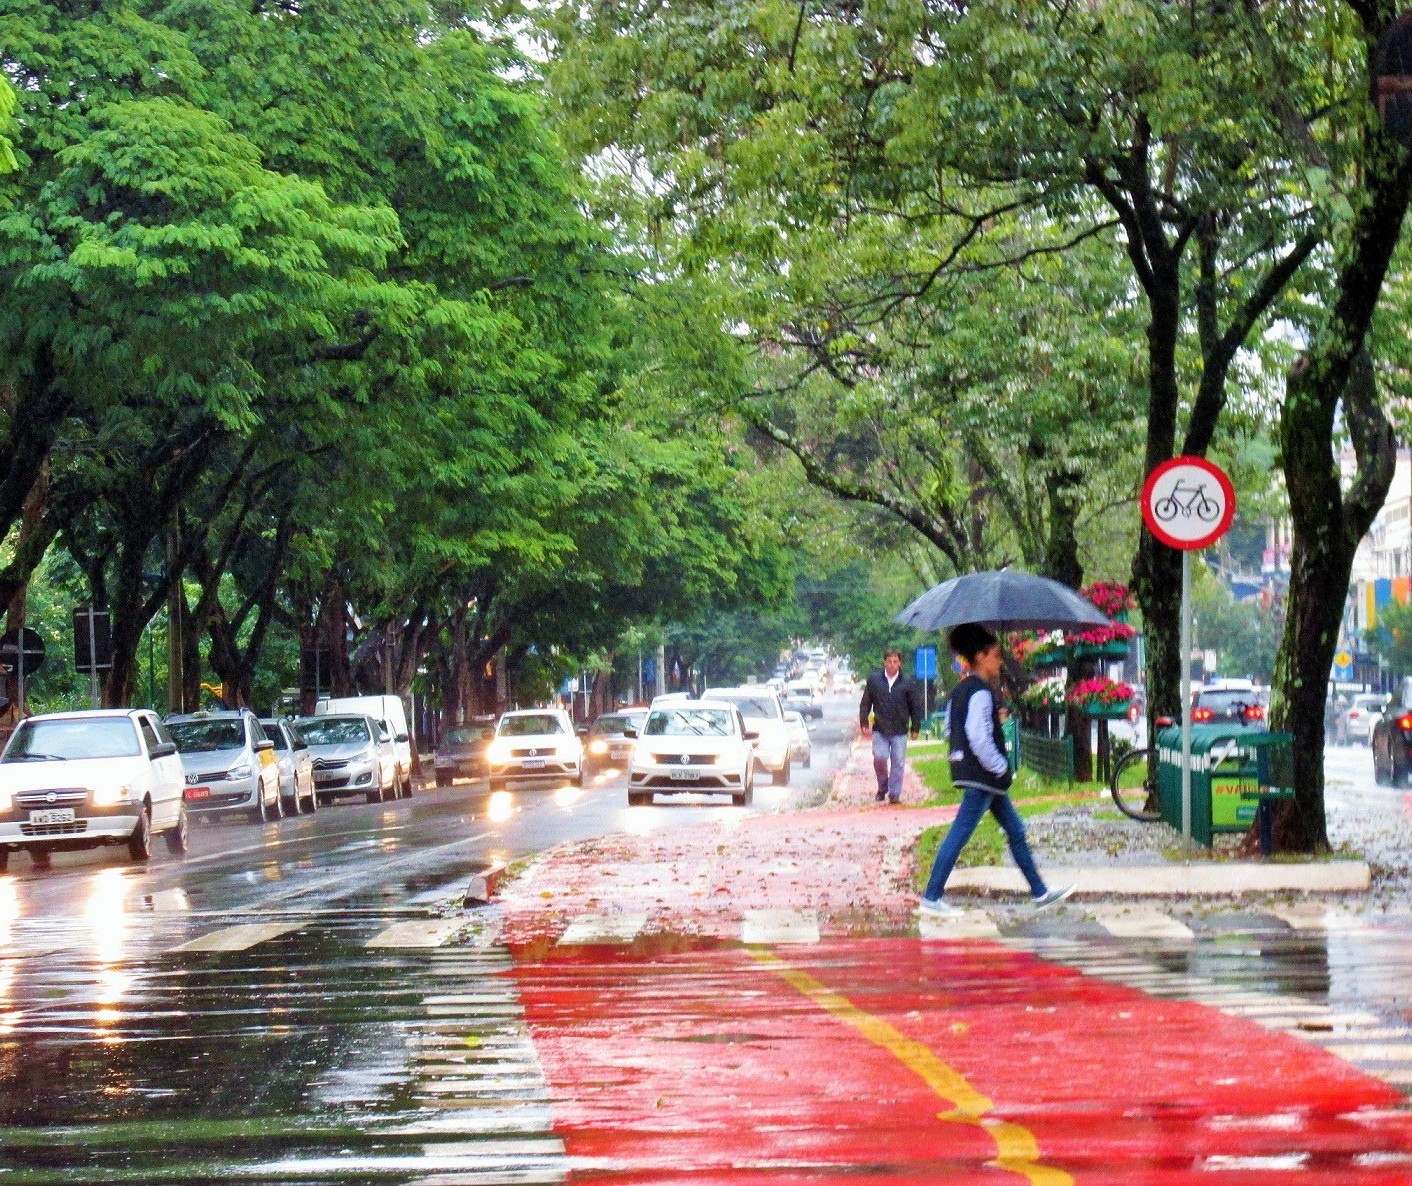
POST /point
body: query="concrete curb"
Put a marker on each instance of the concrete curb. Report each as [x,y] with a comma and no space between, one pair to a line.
[1324,877]
[483,885]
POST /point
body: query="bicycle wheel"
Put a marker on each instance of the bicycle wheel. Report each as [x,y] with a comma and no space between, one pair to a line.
[1134,785]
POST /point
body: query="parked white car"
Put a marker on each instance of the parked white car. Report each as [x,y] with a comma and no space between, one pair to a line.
[296,767]
[352,755]
[801,745]
[72,780]
[693,747]
[535,744]
[393,714]
[764,715]
[230,764]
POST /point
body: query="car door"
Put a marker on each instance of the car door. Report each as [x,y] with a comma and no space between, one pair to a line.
[265,757]
[168,776]
[303,761]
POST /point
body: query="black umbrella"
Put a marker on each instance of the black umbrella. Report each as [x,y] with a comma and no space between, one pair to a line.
[1003,600]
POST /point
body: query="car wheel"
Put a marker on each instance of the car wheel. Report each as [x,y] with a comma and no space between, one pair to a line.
[139,844]
[313,799]
[257,813]
[277,807]
[639,798]
[179,837]
[407,785]
[496,784]
[781,777]
[808,758]
[744,798]
[579,777]
[443,780]
[4,859]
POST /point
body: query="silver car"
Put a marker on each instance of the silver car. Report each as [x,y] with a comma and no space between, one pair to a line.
[296,767]
[229,762]
[352,755]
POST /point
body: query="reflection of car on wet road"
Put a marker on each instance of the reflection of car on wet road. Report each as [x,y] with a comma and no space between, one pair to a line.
[608,746]
[80,779]
[693,747]
[535,744]
[230,764]
[461,752]
[801,745]
[352,754]
[296,766]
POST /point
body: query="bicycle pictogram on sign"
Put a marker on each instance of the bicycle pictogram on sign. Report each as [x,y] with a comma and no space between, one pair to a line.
[1187,501]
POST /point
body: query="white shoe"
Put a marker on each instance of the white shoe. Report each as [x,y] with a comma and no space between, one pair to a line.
[1052,897]
[938,908]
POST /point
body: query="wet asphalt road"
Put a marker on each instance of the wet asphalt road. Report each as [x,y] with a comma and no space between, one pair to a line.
[278,1006]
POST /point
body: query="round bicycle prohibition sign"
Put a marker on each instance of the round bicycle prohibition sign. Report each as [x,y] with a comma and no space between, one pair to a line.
[1188,503]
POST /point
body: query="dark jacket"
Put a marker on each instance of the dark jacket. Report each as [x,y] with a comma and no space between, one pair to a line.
[896,710]
[966,768]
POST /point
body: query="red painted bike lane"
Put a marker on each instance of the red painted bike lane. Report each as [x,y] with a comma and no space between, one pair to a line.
[902,1060]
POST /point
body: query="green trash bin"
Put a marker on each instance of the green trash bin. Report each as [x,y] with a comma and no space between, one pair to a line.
[1233,772]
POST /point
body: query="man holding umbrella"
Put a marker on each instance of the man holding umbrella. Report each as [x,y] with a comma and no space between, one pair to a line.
[895,704]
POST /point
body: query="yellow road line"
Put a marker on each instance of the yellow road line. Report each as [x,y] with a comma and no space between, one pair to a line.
[1015,1146]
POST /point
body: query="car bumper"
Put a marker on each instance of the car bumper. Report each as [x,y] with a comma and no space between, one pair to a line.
[222,795]
[685,780]
[468,769]
[90,824]
[521,770]
[347,780]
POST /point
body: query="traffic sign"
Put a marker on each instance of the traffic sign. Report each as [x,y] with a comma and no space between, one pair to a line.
[93,646]
[1188,503]
[1343,665]
[22,643]
[926,662]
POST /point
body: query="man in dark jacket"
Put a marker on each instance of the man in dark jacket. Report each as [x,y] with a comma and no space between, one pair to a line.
[895,704]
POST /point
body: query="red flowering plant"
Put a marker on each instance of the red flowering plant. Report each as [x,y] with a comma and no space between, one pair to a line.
[1022,646]
[1100,692]
[1110,598]
[1097,636]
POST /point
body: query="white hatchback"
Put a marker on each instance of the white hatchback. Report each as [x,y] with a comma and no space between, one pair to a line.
[764,715]
[535,744]
[693,747]
[73,780]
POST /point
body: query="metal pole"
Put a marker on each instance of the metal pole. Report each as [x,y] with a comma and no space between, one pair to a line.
[20,708]
[638,698]
[93,659]
[661,670]
[1186,694]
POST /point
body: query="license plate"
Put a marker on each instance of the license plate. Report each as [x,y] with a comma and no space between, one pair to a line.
[533,763]
[685,776]
[54,815]
[197,793]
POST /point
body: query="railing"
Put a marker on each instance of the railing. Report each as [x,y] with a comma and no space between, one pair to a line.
[1053,757]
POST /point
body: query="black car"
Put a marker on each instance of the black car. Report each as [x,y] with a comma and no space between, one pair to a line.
[606,745]
[461,752]
[1392,748]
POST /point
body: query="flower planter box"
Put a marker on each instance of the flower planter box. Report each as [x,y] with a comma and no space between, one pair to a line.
[1108,712]
[1050,659]
[1105,650]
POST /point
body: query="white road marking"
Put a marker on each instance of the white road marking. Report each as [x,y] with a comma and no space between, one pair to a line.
[780,926]
[1139,922]
[422,932]
[237,938]
[604,928]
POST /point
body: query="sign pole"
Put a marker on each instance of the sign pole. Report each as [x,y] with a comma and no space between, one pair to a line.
[93,660]
[1186,695]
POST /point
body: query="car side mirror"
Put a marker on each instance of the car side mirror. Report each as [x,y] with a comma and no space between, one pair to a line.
[265,744]
[164,749]
[751,735]
[582,730]
[629,731]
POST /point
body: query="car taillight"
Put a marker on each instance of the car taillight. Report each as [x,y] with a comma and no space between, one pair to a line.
[1404,722]
[1201,714]
[1253,712]
[1354,714]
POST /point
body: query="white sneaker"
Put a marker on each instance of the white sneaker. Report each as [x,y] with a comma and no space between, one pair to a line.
[1052,897]
[938,908]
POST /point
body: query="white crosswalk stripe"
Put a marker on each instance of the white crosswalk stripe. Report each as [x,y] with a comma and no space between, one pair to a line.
[1139,922]
[780,926]
[604,928]
[421,932]
[237,938]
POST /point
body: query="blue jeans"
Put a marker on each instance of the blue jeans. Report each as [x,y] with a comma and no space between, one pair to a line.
[894,750]
[974,804]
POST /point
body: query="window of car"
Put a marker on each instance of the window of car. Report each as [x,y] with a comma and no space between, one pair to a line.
[465,734]
[614,724]
[199,737]
[531,725]
[754,707]
[1227,702]
[62,740]
[276,734]
[334,730]
[149,734]
[690,722]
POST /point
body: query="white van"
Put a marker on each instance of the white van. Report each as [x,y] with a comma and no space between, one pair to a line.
[388,709]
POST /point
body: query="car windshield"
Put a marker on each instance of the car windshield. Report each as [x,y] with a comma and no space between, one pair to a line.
[333,730]
[465,735]
[57,740]
[687,722]
[535,725]
[1228,702]
[199,737]
[1369,703]
[615,724]
[754,707]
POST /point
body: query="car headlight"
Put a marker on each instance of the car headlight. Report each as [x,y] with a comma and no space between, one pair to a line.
[244,770]
[499,751]
[108,796]
[598,746]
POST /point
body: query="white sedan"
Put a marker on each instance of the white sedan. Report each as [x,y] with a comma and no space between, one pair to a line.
[73,780]
[693,747]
